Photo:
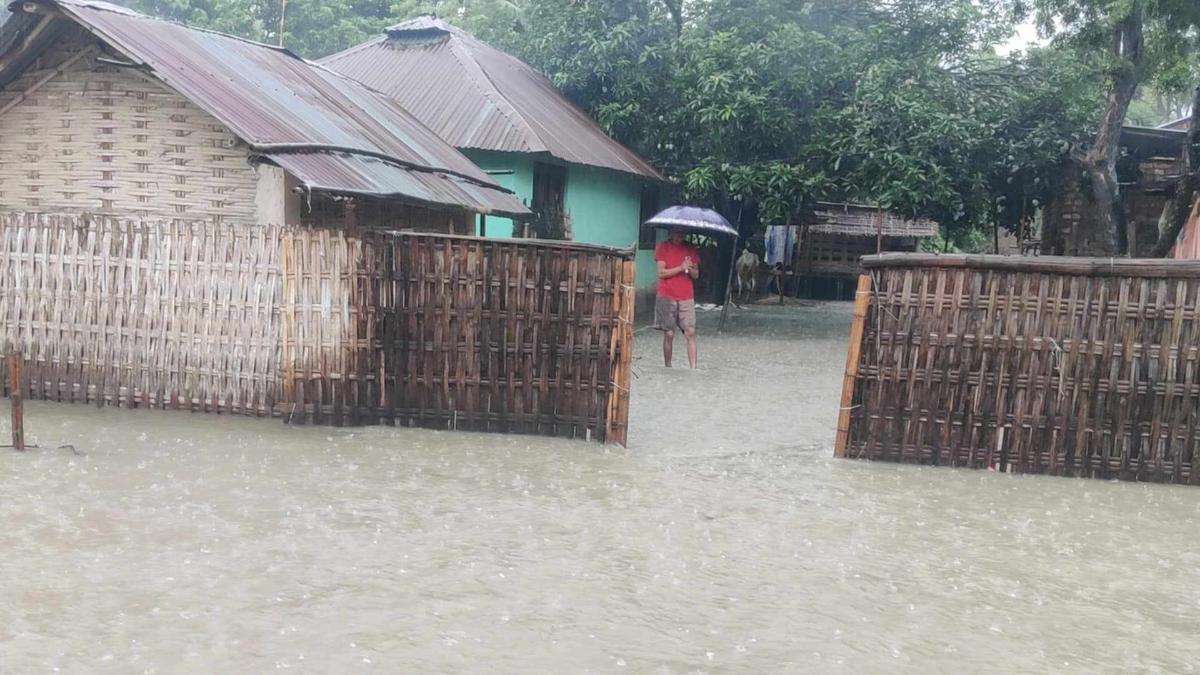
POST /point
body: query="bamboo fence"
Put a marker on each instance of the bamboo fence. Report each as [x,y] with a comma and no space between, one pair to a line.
[321,325]
[1064,366]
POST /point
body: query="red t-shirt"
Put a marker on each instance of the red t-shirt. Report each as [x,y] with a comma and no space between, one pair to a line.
[678,287]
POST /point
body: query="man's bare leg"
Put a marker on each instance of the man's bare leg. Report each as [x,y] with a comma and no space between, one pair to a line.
[668,346]
[690,334]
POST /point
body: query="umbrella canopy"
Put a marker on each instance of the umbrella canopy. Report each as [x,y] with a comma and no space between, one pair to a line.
[692,219]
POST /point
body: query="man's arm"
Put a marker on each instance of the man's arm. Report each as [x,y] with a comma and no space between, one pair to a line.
[665,272]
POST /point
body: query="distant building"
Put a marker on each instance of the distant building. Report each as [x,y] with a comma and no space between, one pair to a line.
[831,244]
[1148,169]
[518,127]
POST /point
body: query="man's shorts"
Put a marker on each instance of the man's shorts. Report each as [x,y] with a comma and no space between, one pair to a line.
[670,313]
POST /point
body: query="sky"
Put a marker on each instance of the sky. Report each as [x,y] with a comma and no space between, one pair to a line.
[1026,35]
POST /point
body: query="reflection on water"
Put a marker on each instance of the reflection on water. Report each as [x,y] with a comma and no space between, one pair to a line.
[724,540]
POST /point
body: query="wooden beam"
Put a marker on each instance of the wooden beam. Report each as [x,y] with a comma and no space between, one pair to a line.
[16,397]
[861,301]
[1153,268]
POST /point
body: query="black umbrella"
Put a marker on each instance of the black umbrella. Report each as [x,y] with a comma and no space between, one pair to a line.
[692,219]
[697,220]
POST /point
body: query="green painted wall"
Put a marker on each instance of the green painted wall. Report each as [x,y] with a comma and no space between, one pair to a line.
[605,206]
[511,170]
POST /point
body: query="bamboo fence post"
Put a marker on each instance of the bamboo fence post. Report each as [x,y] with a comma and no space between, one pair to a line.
[729,285]
[861,300]
[16,398]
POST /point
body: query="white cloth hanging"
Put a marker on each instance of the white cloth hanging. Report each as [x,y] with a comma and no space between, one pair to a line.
[781,242]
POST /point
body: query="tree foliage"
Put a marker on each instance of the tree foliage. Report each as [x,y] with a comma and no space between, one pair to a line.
[781,103]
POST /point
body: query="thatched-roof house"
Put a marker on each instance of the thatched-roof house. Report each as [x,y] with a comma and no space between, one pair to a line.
[106,111]
[513,122]
[835,238]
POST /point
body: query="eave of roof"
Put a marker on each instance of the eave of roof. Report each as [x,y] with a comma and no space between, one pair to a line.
[1154,141]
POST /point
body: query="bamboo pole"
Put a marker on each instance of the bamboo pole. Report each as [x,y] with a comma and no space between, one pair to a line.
[729,285]
[879,231]
[16,398]
[1146,268]
[861,300]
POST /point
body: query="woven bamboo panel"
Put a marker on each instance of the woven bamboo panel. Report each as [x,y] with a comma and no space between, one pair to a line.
[81,136]
[321,325]
[1077,367]
[331,309]
[139,314]
[457,333]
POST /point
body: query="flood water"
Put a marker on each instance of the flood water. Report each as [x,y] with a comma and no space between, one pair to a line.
[724,540]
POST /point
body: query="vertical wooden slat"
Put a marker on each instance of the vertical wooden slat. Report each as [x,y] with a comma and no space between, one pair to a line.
[861,300]
[16,399]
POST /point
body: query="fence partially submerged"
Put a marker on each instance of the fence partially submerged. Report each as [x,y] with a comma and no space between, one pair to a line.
[1066,366]
[322,325]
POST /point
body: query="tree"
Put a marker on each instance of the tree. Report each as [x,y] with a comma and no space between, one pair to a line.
[1139,39]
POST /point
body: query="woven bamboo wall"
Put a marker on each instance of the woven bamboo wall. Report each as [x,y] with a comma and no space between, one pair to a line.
[1062,366]
[320,324]
[79,136]
[135,314]
[459,333]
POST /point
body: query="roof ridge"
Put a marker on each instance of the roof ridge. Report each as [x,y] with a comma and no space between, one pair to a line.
[330,58]
[488,89]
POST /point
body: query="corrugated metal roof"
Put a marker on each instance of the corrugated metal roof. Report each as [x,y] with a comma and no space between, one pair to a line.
[362,175]
[476,96]
[279,104]
[1180,124]
[860,220]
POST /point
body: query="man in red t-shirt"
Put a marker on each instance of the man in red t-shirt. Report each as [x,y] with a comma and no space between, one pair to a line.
[675,307]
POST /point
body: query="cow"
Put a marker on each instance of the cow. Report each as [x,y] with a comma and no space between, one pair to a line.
[747,273]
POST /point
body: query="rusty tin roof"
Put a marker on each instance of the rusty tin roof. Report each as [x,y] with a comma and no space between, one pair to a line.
[331,132]
[476,96]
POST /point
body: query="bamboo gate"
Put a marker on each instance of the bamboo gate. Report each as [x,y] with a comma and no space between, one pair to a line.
[321,325]
[1064,366]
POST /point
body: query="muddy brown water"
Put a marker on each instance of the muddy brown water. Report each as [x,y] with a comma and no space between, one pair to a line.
[724,540]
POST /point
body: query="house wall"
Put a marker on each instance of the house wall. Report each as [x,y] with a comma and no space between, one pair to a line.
[511,170]
[604,206]
[1143,203]
[101,139]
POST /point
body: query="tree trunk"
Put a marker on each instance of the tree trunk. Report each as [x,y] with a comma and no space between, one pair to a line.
[1100,161]
[1179,207]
